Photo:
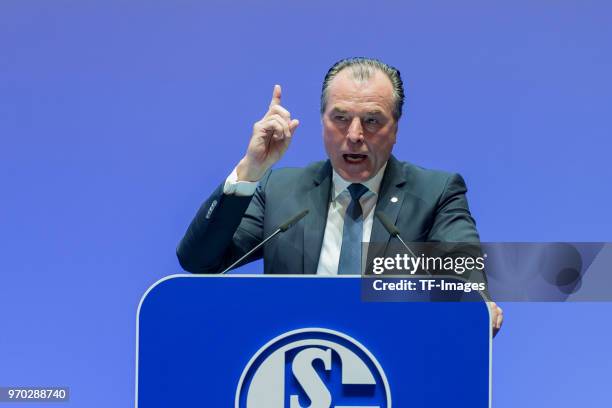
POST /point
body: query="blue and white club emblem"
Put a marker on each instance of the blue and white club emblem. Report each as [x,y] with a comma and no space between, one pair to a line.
[313,368]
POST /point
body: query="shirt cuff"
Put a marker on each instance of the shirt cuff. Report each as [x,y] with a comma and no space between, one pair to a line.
[239,188]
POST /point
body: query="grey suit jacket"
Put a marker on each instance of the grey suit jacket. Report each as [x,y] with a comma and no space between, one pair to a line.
[430,206]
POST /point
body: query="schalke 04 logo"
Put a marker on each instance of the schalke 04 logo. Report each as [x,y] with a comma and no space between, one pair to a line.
[313,368]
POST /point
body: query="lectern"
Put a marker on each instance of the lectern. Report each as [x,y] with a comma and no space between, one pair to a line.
[287,341]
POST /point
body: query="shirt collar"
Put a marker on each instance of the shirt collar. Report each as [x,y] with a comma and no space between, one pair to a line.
[372,184]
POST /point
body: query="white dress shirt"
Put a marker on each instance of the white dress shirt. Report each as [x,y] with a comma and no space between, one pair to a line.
[340,200]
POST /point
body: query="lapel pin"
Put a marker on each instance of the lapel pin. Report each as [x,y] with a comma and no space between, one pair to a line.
[394,199]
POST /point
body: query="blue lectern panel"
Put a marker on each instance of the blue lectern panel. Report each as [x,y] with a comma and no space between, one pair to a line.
[275,342]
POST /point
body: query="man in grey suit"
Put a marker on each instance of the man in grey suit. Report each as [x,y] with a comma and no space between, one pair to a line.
[361,104]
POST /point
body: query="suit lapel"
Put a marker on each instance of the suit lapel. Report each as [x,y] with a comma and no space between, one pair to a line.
[317,201]
[390,200]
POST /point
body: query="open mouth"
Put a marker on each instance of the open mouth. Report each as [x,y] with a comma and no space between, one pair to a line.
[354,158]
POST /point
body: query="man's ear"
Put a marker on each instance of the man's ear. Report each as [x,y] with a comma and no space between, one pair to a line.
[395,133]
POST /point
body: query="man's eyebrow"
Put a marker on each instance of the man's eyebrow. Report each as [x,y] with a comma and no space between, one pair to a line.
[337,109]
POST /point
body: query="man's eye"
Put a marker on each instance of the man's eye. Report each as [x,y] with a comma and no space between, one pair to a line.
[371,121]
[340,118]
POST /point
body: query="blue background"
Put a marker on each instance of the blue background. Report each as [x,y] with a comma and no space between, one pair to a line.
[117,118]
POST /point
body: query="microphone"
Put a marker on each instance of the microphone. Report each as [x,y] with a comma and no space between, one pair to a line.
[281,228]
[292,221]
[394,232]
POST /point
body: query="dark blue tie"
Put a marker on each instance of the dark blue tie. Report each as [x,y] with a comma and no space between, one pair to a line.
[352,233]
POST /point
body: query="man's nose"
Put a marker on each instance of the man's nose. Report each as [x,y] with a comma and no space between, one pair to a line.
[355,131]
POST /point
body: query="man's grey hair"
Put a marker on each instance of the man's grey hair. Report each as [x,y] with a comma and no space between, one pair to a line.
[362,69]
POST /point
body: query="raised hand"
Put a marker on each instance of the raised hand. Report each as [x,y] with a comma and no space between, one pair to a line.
[269,141]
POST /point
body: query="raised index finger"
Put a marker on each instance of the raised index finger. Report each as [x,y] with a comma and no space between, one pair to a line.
[276,96]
